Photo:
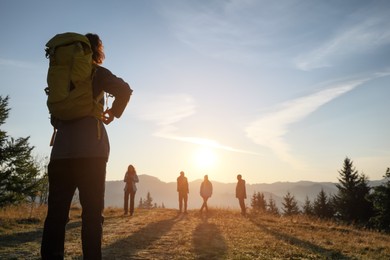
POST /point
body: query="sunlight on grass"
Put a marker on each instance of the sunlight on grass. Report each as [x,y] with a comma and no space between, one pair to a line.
[219,234]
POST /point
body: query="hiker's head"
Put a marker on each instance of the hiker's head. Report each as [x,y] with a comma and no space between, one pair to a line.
[131,169]
[181,173]
[206,178]
[97,48]
[239,177]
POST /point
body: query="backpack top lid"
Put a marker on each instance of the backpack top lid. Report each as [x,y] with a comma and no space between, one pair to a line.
[69,78]
[67,38]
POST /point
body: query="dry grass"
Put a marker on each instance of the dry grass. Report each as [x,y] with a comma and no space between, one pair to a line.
[222,234]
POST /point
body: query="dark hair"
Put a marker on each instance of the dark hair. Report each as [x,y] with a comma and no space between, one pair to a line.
[97,48]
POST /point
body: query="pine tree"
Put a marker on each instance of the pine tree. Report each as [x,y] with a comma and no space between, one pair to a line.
[307,208]
[381,200]
[322,207]
[290,205]
[258,202]
[351,201]
[148,203]
[253,201]
[19,173]
[261,202]
[141,203]
[272,208]
[43,192]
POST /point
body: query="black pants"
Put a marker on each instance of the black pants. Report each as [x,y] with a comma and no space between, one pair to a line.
[88,176]
[126,199]
[204,205]
[242,205]
[183,198]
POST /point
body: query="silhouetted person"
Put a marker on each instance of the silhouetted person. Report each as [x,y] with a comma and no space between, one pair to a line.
[206,190]
[241,193]
[183,190]
[131,178]
[78,161]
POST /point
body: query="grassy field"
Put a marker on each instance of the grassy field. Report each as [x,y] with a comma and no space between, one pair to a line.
[221,234]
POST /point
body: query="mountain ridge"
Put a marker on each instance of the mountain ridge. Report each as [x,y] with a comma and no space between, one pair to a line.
[164,193]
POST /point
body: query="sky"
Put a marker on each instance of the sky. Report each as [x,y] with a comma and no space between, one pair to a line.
[273,90]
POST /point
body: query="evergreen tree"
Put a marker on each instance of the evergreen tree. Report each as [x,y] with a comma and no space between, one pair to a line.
[307,208]
[366,209]
[253,201]
[19,173]
[141,203]
[290,205]
[258,202]
[272,208]
[43,190]
[381,200]
[351,201]
[322,207]
[148,203]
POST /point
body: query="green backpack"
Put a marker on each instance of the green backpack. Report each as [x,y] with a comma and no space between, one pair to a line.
[69,78]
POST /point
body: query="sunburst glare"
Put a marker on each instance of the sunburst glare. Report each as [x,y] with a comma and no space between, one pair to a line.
[205,158]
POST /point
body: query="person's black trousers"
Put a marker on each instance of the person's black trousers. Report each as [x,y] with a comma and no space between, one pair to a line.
[126,200]
[88,176]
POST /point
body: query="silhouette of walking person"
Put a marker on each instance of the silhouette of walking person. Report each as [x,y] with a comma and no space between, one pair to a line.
[241,193]
[206,190]
[183,190]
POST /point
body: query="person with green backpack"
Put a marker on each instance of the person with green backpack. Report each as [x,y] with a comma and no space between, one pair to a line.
[76,86]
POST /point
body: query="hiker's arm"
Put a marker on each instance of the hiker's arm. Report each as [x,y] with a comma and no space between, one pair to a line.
[115,86]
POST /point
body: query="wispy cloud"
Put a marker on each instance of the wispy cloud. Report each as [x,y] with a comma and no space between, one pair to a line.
[166,111]
[276,32]
[204,142]
[229,30]
[270,129]
[369,34]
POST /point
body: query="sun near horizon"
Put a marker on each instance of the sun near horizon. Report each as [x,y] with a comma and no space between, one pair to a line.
[205,158]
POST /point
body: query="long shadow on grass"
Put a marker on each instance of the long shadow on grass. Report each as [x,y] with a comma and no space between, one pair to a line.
[16,239]
[139,240]
[326,253]
[208,241]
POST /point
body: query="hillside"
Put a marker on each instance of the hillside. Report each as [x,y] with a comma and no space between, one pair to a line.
[221,234]
[223,195]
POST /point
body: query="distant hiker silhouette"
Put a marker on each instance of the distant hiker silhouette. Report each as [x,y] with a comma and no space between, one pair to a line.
[241,193]
[206,190]
[131,178]
[81,147]
[183,190]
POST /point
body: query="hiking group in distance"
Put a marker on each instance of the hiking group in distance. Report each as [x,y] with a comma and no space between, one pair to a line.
[206,190]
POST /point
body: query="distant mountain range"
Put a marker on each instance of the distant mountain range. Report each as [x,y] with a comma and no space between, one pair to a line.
[164,193]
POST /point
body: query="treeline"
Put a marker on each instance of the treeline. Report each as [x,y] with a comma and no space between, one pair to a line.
[147,203]
[355,201]
[22,177]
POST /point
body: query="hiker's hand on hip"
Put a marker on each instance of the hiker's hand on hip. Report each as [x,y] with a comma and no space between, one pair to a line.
[108,116]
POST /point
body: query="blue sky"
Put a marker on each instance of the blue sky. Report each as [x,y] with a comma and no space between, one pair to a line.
[272,90]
